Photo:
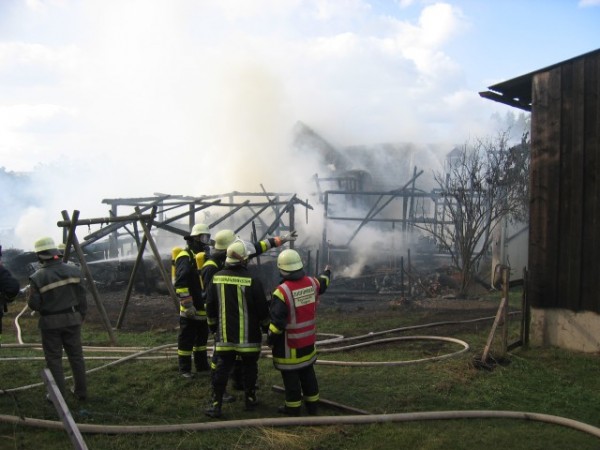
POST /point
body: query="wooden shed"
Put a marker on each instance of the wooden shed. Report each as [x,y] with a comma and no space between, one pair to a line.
[563,286]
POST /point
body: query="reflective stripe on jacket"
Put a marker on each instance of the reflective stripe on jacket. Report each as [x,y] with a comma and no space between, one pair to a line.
[237,305]
[187,283]
[296,301]
[58,294]
[301,300]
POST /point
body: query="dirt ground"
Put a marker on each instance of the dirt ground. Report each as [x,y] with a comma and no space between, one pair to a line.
[158,312]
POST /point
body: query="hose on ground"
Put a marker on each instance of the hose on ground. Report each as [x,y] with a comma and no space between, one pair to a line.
[308,421]
[95,369]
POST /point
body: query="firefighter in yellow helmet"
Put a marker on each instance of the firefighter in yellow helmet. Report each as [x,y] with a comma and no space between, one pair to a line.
[193,329]
[292,331]
[216,262]
[238,314]
[225,238]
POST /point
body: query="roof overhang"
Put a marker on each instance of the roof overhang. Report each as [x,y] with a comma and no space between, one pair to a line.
[518,91]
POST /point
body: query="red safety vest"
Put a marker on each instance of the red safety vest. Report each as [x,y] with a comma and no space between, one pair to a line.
[302,298]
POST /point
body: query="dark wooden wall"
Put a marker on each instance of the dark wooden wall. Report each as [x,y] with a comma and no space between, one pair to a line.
[564,234]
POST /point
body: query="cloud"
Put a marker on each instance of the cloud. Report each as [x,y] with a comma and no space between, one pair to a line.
[196,98]
[586,3]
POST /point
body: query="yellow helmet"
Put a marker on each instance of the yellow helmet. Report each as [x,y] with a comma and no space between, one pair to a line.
[44,244]
[289,260]
[236,253]
[224,239]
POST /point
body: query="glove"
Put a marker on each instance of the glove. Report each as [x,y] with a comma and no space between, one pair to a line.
[272,338]
[25,292]
[190,312]
[291,236]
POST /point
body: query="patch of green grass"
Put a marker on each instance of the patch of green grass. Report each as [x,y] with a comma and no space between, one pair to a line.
[150,391]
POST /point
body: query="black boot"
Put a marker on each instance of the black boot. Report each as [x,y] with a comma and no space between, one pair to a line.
[295,412]
[251,400]
[185,366]
[214,410]
[312,409]
[228,398]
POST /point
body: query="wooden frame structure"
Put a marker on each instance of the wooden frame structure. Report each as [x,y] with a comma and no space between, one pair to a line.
[243,211]
[71,225]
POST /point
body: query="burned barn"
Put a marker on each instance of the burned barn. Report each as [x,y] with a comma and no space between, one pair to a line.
[366,214]
[563,287]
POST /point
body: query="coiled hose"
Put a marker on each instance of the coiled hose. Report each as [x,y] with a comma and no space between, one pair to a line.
[308,421]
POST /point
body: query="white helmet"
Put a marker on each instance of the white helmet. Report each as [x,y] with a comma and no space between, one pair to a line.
[289,260]
[236,253]
[224,239]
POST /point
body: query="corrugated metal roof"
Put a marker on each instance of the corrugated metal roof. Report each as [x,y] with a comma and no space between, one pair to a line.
[517,91]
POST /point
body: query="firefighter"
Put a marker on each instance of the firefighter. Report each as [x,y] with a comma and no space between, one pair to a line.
[193,330]
[216,262]
[238,314]
[58,294]
[292,331]
[225,238]
[9,288]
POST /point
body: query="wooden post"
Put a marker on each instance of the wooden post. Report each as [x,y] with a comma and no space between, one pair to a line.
[163,272]
[63,411]
[499,315]
[88,275]
[324,243]
[254,238]
[138,262]
[505,293]
[402,276]
[292,218]
[409,275]
[526,312]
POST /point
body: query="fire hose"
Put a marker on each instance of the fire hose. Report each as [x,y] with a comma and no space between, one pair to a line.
[306,421]
[310,421]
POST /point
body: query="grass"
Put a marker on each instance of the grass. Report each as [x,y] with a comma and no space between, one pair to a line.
[149,391]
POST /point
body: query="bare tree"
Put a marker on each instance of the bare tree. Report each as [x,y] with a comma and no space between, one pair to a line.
[477,190]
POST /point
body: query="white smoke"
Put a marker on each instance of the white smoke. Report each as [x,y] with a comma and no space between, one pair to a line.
[193,98]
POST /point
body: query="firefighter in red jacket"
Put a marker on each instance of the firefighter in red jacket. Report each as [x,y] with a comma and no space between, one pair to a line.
[193,330]
[238,313]
[292,331]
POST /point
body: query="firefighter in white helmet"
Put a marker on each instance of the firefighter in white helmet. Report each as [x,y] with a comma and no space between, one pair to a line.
[238,315]
[216,262]
[225,238]
[292,331]
[58,294]
[193,329]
